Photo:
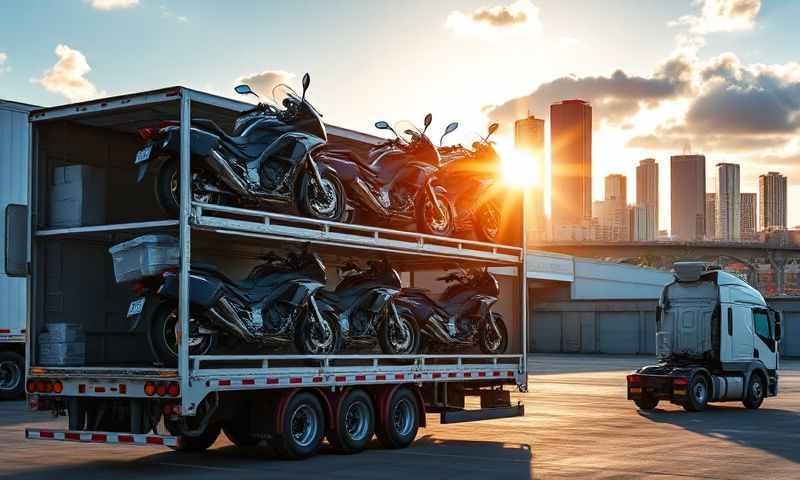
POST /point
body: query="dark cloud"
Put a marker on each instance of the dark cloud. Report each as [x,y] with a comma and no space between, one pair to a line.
[499,16]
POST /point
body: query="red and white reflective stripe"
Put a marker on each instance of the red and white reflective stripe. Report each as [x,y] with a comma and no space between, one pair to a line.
[260,382]
[102,437]
[8,331]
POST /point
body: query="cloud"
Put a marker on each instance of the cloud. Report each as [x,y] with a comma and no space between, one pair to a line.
[3,60]
[263,83]
[67,77]
[167,13]
[721,16]
[518,18]
[112,4]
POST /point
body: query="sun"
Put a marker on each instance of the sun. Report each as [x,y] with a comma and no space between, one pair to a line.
[519,169]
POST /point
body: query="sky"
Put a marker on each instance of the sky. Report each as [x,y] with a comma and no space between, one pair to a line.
[718,77]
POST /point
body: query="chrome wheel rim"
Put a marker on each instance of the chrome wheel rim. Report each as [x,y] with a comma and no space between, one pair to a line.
[489,221]
[757,390]
[304,424]
[171,335]
[403,417]
[320,337]
[323,204]
[400,335]
[435,222]
[10,375]
[356,420]
[493,339]
[699,392]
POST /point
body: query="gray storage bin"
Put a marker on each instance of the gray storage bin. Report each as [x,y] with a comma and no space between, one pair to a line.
[62,354]
[144,256]
[78,196]
[62,333]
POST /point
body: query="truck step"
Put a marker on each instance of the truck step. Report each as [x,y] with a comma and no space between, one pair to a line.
[461,416]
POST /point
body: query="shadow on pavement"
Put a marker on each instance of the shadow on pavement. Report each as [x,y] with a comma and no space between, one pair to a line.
[426,458]
[774,431]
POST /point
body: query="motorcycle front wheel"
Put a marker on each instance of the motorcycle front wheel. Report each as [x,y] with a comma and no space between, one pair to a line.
[400,336]
[491,342]
[487,223]
[315,337]
[431,221]
[162,330]
[326,203]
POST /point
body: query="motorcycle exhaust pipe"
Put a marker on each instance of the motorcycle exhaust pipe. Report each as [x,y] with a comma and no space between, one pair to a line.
[366,196]
[437,331]
[228,318]
[226,173]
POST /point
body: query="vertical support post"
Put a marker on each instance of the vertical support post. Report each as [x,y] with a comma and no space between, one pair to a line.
[523,267]
[185,248]
[33,205]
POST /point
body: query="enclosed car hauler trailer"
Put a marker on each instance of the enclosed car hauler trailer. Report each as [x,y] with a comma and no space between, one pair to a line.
[104,381]
[14,144]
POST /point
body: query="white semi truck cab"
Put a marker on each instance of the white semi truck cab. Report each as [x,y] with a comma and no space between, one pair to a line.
[716,341]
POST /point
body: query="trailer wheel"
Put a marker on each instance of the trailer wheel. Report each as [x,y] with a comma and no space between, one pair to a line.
[754,396]
[697,394]
[646,402]
[399,426]
[303,426]
[355,423]
[12,375]
[201,442]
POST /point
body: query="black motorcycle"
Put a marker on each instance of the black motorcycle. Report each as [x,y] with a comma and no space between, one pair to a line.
[268,161]
[392,183]
[362,306]
[470,179]
[463,316]
[273,306]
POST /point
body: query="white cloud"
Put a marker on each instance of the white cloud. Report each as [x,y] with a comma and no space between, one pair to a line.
[112,4]
[167,13]
[67,77]
[722,16]
[518,18]
[263,83]
[3,60]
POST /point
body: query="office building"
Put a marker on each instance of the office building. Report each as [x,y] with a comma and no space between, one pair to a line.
[728,207]
[529,139]
[647,189]
[611,214]
[688,197]
[642,223]
[571,151]
[772,201]
[711,212]
[748,216]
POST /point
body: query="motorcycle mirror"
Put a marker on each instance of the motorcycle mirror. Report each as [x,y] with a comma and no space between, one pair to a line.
[492,128]
[427,123]
[381,125]
[306,83]
[244,90]
[449,129]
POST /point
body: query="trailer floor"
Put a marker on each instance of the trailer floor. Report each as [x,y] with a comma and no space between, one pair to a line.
[578,425]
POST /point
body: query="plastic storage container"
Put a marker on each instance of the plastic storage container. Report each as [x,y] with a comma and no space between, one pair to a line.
[144,256]
[78,196]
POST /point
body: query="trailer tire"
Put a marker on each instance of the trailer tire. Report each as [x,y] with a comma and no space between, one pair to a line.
[303,425]
[12,375]
[201,442]
[355,423]
[646,402]
[698,393]
[754,396]
[400,422]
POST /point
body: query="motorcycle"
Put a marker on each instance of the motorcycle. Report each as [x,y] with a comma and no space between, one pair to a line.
[392,184]
[470,179]
[274,305]
[268,161]
[463,316]
[362,306]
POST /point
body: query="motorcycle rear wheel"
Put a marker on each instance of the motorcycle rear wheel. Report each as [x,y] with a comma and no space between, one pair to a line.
[490,342]
[167,188]
[163,338]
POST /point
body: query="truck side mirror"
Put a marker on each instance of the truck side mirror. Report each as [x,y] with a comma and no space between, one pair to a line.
[16,240]
[778,329]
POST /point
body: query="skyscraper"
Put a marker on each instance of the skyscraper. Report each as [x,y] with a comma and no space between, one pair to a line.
[688,196]
[772,201]
[529,139]
[571,146]
[647,190]
[748,228]
[612,213]
[728,205]
[711,213]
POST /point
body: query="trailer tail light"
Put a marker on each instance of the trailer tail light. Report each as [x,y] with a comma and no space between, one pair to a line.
[58,387]
[161,389]
[634,379]
[31,386]
[680,382]
[174,389]
[149,389]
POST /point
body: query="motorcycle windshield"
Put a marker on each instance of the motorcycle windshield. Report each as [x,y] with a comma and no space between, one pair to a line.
[308,118]
[420,145]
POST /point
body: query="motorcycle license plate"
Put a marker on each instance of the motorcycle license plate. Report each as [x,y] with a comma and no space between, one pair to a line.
[136,307]
[143,155]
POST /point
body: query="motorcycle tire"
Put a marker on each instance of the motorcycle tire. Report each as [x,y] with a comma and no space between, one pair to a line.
[304,341]
[491,346]
[411,347]
[168,187]
[445,226]
[161,326]
[484,232]
[334,210]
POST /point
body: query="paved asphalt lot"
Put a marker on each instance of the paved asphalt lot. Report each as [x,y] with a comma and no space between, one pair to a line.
[577,425]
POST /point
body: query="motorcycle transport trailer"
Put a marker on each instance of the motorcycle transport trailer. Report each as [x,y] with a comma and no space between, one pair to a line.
[95,368]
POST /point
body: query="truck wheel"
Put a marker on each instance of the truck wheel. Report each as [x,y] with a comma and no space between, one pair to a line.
[697,394]
[399,426]
[646,402]
[355,423]
[754,396]
[12,375]
[238,430]
[303,425]
[200,442]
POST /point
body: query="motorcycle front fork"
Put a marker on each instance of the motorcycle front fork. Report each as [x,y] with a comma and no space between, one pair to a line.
[312,165]
[434,198]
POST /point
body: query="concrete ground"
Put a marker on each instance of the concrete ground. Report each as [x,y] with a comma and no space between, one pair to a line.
[578,424]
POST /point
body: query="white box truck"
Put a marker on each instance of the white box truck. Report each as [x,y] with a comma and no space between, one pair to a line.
[716,341]
[14,145]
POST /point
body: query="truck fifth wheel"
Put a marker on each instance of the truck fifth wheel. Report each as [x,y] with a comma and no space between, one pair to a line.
[89,361]
[716,341]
